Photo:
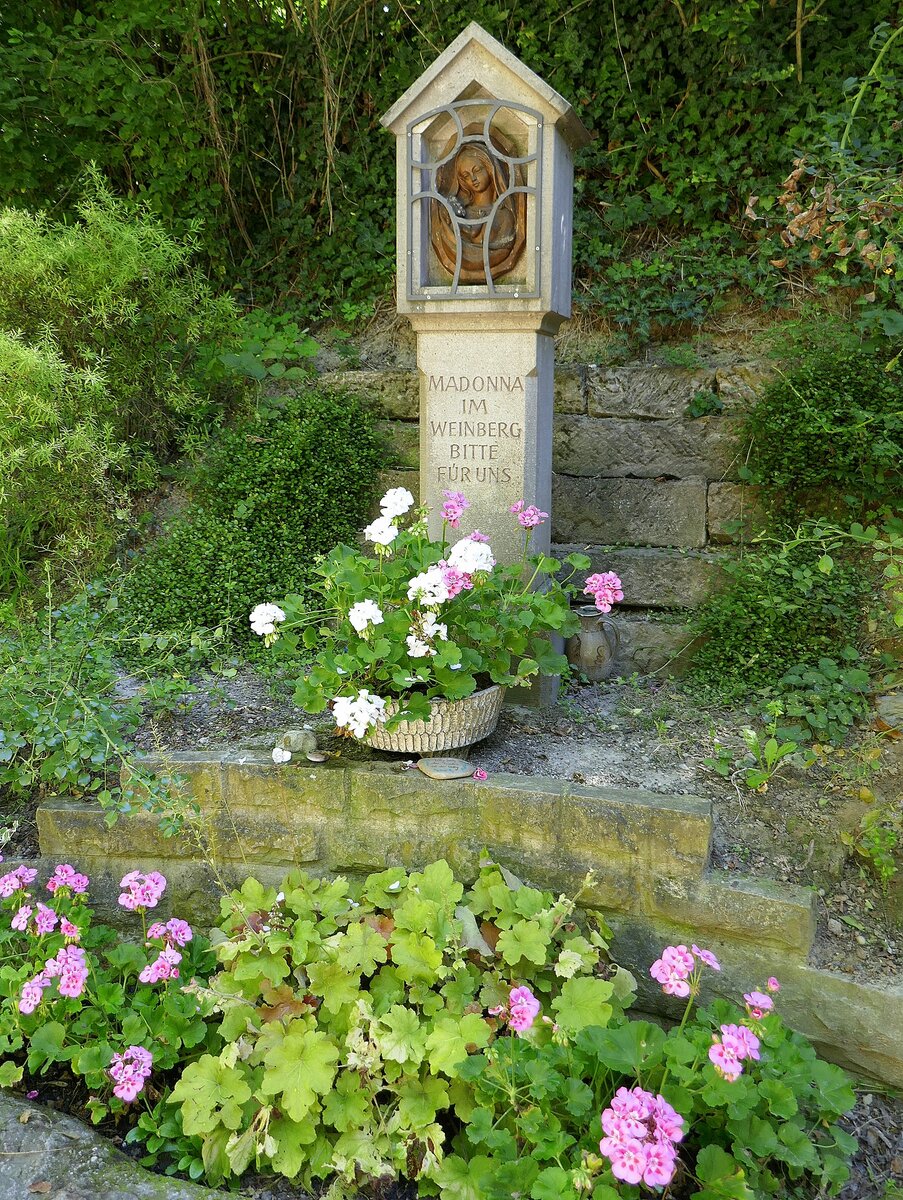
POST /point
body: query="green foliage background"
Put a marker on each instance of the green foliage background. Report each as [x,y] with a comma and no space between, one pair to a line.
[260,122]
[272,492]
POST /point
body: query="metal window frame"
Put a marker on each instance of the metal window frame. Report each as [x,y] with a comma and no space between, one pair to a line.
[418,223]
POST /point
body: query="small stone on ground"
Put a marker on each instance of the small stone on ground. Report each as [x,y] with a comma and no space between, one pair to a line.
[445,768]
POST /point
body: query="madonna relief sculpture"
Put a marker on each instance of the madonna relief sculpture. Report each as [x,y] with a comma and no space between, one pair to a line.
[481,209]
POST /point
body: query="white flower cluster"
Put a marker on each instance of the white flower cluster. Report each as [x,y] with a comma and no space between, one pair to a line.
[396,502]
[419,643]
[429,588]
[381,531]
[359,712]
[264,619]
[470,556]
[365,614]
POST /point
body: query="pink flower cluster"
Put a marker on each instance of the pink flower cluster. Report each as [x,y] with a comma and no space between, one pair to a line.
[758,1003]
[174,932]
[676,965]
[737,1043]
[45,919]
[65,876]
[641,1131]
[70,970]
[528,516]
[455,581]
[164,966]
[521,1010]
[605,589]
[144,891]
[453,508]
[129,1070]
[16,881]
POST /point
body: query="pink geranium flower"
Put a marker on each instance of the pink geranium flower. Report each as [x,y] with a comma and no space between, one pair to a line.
[707,957]
[141,891]
[453,508]
[531,516]
[45,919]
[772,985]
[640,1131]
[727,1058]
[758,1004]
[129,1070]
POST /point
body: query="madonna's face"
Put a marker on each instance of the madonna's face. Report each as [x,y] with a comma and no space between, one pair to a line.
[472,172]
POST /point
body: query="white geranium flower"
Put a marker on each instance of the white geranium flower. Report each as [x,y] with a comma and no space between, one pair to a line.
[396,502]
[359,712]
[429,588]
[469,556]
[264,619]
[417,647]
[364,614]
[281,756]
[381,531]
[434,629]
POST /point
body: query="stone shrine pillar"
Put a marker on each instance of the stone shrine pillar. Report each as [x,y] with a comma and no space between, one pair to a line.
[485,188]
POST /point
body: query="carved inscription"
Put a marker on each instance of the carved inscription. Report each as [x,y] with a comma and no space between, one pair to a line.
[469,442]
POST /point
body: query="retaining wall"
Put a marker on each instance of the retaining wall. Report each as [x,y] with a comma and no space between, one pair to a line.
[649,856]
[644,489]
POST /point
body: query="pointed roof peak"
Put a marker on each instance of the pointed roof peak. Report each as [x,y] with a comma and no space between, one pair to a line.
[473,49]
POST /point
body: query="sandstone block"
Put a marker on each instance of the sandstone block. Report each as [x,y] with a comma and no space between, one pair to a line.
[644,390]
[745,909]
[655,578]
[570,390]
[733,512]
[392,394]
[649,646]
[644,449]
[403,439]
[642,512]
[739,386]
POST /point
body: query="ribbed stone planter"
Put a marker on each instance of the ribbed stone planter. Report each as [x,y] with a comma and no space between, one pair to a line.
[453,723]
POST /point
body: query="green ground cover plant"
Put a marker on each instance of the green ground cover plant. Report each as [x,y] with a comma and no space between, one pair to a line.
[473,1040]
[64,727]
[271,493]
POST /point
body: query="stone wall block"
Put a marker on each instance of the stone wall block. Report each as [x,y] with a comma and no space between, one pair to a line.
[729,505]
[570,390]
[654,578]
[740,385]
[641,512]
[748,910]
[254,784]
[399,818]
[392,394]
[676,448]
[403,443]
[204,768]
[644,390]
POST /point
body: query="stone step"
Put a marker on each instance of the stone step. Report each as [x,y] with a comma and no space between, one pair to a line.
[648,854]
[655,577]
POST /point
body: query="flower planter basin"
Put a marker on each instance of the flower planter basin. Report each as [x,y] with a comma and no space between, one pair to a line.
[453,723]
